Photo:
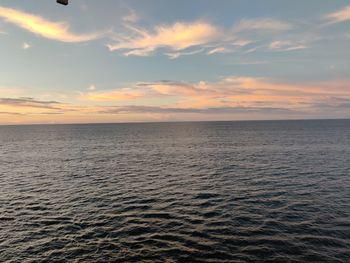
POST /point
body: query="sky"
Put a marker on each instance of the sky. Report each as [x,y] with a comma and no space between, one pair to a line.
[97,61]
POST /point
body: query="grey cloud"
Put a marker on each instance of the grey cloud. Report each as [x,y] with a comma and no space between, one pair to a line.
[30,102]
[165,82]
[332,103]
[217,110]
[9,113]
[345,105]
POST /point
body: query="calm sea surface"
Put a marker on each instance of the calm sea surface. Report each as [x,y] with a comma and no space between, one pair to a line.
[176,192]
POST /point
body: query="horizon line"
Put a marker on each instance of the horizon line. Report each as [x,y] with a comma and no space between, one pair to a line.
[184,121]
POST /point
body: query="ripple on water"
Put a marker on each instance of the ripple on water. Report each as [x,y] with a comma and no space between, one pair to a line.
[181,192]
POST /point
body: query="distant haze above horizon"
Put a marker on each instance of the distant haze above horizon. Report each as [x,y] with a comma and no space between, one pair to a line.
[164,60]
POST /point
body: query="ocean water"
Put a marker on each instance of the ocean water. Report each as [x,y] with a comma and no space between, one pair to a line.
[269,191]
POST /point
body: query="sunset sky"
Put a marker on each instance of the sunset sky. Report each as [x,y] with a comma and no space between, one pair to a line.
[166,60]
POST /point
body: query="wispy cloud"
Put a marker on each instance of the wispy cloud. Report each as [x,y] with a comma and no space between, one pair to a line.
[174,55]
[180,36]
[24,107]
[10,113]
[218,50]
[262,24]
[52,30]
[339,16]
[286,45]
[114,95]
[26,46]
[132,17]
[249,62]
[29,103]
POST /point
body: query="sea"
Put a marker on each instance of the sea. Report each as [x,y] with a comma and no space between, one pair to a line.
[247,191]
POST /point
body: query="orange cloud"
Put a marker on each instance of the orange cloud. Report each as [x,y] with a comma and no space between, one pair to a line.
[228,92]
[240,96]
[40,26]
[339,16]
[116,95]
[178,36]
[25,106]
[181,36]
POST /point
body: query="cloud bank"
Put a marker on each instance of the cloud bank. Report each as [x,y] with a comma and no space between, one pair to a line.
[232,91]
[235,97]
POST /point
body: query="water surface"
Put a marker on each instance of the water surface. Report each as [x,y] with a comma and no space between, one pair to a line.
[176,192]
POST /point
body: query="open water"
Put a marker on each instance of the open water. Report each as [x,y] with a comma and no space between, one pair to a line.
[266,191]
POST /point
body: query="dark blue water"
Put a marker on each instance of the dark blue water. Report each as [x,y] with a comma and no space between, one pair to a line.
[176,192]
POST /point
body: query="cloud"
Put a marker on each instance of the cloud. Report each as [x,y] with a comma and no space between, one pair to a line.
[286,45]
[132,17]
[115,95]
[178,36]
[175,55]
[332,104]
[246,92]
[249,62]
[26,106]
[263,24]
[92,87]
[10,113]
[218,50]
[52,30]
[339,16]
[29,103]
[182,89]
[216,110]
[234,97]
[26,46]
